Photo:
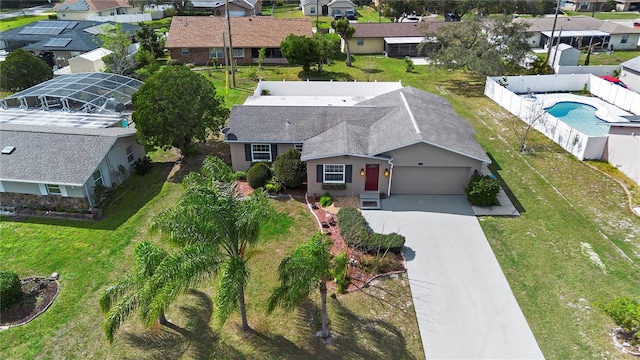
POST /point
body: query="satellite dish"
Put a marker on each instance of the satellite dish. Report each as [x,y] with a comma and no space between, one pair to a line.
[119,107]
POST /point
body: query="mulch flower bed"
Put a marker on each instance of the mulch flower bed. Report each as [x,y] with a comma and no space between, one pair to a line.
[37,294]
[328,222]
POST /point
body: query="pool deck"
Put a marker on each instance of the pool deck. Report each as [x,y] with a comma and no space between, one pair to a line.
[612,113]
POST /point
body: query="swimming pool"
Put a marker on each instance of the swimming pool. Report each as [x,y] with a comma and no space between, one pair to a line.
[579,116]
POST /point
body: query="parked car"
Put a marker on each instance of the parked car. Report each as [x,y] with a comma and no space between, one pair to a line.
[350,14]
[337,14]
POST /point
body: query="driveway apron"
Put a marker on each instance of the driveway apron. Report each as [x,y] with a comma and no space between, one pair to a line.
[464,305]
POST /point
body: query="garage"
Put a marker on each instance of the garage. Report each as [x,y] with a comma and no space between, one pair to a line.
[237,13]
[429,180]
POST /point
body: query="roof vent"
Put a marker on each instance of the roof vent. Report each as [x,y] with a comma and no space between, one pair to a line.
[8,150]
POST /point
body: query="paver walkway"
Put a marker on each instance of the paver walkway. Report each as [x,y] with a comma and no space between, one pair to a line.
[464,305]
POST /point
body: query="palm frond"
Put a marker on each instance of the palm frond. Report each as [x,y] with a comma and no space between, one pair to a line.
[114,292]
[233,274]
[119,313]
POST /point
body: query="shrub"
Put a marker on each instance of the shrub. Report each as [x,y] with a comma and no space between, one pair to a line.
[53,17]
[326,200]
[173,62]
[408,64]
[258,175]
[218,170]
[142,165]
[340,273]
[482,190]
[334,186]
[273,186]
[625,312]
[103,195]
[289,169]
[10,289]
[356,233]
[377,264]
[240,175]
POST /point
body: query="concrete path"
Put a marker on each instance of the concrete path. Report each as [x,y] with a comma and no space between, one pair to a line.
[464,305]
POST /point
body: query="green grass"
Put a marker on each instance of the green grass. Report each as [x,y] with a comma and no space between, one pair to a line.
[604,58]
[564,204]
[368,14]
[617,15]
[18,21]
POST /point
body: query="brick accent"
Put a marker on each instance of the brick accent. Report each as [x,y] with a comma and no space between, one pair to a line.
[48,201]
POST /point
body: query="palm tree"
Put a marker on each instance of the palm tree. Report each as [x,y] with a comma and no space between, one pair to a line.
[131,294]
[215,228]
[306,270]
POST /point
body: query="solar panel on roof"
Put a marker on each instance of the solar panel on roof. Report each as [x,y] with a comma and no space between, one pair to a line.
[58,42]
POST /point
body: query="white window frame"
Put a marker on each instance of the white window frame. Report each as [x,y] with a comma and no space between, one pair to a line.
[260,150]
[99,179]
[238,53]
[129,151]
[216,53]
[298,147]
[185,51]
[51,187]
[625,38]
[360,42]
[333,169]
[312,10]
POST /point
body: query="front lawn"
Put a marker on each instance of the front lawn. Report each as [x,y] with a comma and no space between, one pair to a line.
[18,21]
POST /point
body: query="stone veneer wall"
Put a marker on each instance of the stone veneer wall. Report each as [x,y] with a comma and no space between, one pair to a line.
[47,201]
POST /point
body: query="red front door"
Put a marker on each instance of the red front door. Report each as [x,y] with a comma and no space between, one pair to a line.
[371,177]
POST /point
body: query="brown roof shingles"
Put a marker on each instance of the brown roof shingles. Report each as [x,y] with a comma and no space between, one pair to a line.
[206,31]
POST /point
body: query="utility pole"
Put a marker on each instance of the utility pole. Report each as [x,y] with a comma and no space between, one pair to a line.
[233,68]
[555,20]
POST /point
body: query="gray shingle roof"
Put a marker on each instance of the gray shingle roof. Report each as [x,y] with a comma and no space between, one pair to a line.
[632,64]
[369,128]
[42,153]
[576,23]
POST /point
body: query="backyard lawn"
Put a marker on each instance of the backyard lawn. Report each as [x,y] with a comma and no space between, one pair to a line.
[563,253]
[18,21]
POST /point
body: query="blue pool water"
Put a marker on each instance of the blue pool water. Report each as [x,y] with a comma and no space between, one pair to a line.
[579,116]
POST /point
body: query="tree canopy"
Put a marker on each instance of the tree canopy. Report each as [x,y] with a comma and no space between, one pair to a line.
[149,40]
[328,48]
[487,47]
[118,41]
[177,107]
[345,31]
[300,50]
[22,70]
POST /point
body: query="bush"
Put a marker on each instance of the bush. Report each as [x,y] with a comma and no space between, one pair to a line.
[408,64]
[143,165]
[53,17]
[10,289]
[326,200]
[625,312]
[356,233]
[258,175]
[273,186]
[340,272]
[103,195]
[482,190]
[377,264]
[240,175]
[290,171]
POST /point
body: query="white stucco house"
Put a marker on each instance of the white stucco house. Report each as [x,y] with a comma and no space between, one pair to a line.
[630,73]
[325,7]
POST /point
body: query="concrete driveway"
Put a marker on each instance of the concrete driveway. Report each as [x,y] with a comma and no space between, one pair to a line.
[464,305]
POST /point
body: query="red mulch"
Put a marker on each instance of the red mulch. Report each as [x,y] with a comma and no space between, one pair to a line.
[359,278]
[38,294]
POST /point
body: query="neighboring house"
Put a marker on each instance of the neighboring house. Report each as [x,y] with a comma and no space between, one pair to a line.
[630,73]
[623,147]
[56,41]
[358,137]
[392,39]
[315,7]
[341,5]
[601,5]
[580,31]
[201,40]
[85,9]
[236,7]
[89,62]
[62,137]
[627,5]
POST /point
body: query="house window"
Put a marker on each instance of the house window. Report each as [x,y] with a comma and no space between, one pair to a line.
[129,154]
[584,6]
[97,178]
[54,189]
[185,51]
[260,152]
[625,38]
[333,174]
[297,147]
[216,53]
[312,10]
[238,53]
[360,42]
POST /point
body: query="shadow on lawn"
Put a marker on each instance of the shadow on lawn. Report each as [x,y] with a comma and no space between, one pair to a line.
[473,87]
[196,340]
[495,170]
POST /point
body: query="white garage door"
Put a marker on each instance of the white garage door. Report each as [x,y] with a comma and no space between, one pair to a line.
[429,180]
[236,13]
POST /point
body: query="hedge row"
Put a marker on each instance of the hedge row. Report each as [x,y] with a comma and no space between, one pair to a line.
[356,233]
